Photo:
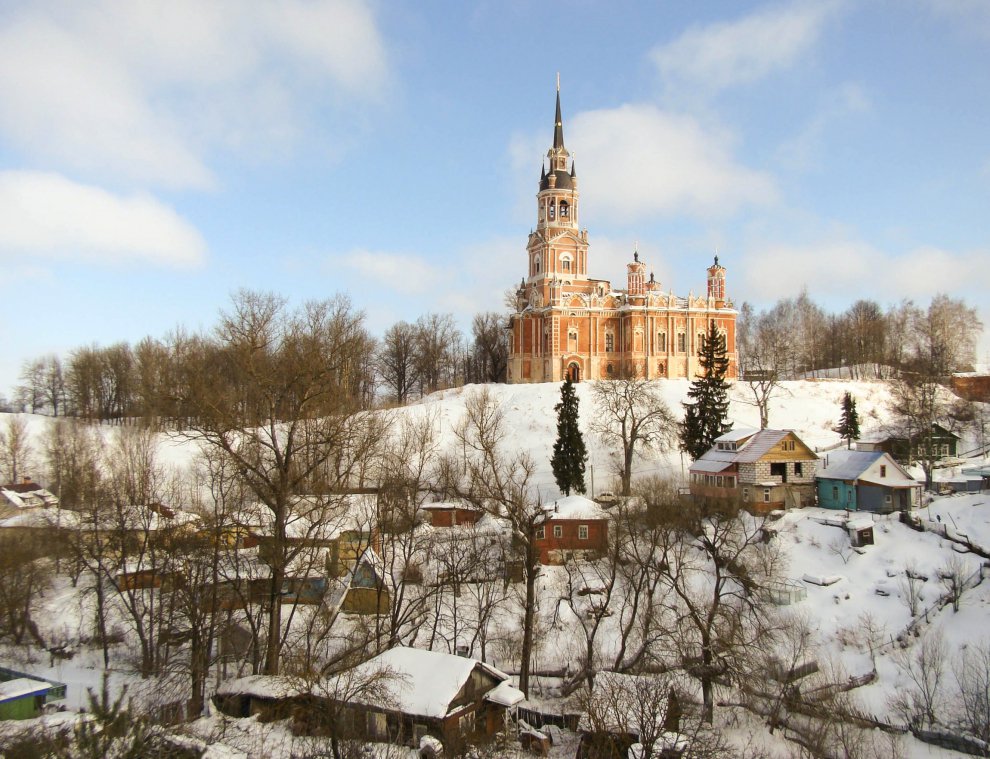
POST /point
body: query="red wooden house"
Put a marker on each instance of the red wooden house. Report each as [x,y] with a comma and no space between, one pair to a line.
[573,527]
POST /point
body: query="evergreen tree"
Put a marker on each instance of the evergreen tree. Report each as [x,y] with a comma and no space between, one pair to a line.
[569,453]
[849,421]
[705,418]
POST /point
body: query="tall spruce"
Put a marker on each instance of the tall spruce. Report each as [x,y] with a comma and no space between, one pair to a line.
[705,418]
[569,452]
[848,427]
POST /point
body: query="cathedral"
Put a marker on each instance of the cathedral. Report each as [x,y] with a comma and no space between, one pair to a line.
[568,324]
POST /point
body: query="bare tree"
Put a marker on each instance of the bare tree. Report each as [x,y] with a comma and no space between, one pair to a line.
[920,697]
[502,485]
[631,414]
[953,578]
[278,393]
[764,343]
[911,585]
[972,673]
[437,344]
[16,452]
[490,348]
[397,360]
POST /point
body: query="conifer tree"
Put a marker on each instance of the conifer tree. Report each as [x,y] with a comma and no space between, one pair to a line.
[569,452]
[849,421]
[705,418]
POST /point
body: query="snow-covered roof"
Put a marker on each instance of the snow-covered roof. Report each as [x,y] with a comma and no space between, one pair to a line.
[713,464]
[847,464]
[30,499]
[736,434]
[758,445]
[863,466]
[263,686]
[446,505]
[421,682]
[574,507]
[22,686]
[505,694]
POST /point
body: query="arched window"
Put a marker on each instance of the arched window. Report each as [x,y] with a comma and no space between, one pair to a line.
[661,342]
[572,340]
[700,340]
[609,342]
[552,211]
[565,263]
[610,370]
[564,209]
[536,264]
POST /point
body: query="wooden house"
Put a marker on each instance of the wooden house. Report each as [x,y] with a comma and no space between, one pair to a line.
[866,481]
[572,527]
[905,447]
[398,696]
[760,470]
[451,514]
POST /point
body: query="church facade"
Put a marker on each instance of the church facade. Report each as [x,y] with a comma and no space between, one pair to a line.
[567,323]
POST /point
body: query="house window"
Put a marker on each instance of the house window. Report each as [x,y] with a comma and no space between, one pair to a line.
[778,469]
[681,342]
[766,495]
[541,533]
[466,723]
[883,470]
[558,531]
[835,492]
[582,532]
[718,481]
[886,498]
[798,469]
[745,494]
[945,449]
[609,342]
[787,445]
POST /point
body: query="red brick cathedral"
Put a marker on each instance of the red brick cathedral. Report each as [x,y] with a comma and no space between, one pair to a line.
[568,324]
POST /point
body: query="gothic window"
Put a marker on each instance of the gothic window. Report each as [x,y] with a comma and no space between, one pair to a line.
[661,342]
[699,341]
[638,341]
[609,370]
[536,264]
[564,209]
[681,342]
[572,340]
[609,342]
[552,211]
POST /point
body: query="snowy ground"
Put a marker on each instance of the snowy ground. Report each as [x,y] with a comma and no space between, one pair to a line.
[856,620]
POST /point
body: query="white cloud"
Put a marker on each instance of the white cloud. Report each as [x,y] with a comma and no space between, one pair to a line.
[44,215]
[851,269]
[637,161]
[144,90]
[399,272]
[723,54]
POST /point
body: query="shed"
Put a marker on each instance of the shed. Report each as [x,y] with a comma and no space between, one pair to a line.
[23,696]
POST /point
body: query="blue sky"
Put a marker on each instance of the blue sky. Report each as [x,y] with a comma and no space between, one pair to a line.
[155,157]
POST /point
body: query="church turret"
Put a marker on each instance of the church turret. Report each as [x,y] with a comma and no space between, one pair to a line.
[636,285]
[716,284]
[558,247]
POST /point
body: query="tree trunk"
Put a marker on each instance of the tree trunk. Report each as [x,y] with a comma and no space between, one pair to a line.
[532,571]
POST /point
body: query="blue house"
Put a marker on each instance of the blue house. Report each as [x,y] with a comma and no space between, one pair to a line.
[865,481]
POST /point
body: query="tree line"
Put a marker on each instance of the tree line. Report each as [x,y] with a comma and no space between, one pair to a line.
[796,337]
[122,382]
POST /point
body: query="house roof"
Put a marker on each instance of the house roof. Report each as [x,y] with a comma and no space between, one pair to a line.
[20,687]
[574,507]
[755,445]
[855,465]
[421,682]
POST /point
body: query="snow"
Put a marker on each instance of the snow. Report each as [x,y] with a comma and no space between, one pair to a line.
[21,686]
[419,682]
[575,507]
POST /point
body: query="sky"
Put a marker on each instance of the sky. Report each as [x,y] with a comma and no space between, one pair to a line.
[156,157]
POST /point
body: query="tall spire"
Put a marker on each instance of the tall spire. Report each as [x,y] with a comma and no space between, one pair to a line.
[558,123]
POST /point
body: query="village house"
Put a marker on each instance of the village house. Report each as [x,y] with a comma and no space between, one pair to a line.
[23,696]
[399,696]
[866,481]
[906,448]
[572,527]
[760,470]
[452,513]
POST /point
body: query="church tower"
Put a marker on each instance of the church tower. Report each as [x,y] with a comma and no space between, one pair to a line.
[569,324]
[558,249]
